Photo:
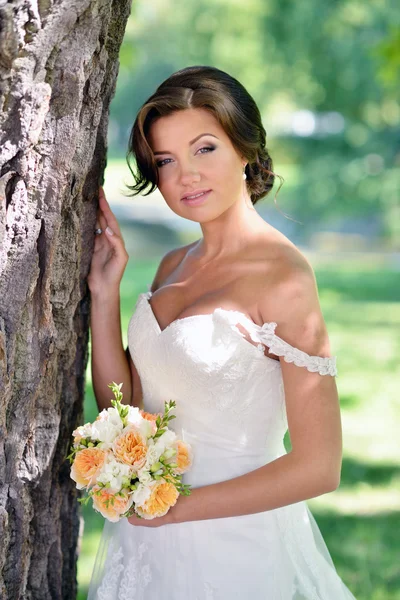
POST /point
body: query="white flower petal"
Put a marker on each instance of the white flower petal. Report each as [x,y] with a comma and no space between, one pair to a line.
[141,494]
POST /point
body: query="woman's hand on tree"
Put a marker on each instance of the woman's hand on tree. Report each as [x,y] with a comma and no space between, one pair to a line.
[109,255]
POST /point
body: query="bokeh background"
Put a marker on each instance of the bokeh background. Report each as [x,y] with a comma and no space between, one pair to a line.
[325,75]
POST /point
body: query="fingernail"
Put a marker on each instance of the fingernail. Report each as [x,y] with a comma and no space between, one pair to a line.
[109,231]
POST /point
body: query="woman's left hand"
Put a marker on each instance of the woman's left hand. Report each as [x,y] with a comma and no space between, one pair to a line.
[176,514]
[156,522]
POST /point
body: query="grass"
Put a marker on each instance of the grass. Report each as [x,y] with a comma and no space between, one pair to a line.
[359,521]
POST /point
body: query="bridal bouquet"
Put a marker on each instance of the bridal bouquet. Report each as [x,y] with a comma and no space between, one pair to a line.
[129,461]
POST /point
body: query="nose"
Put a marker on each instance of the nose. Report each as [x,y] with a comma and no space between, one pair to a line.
[189,174]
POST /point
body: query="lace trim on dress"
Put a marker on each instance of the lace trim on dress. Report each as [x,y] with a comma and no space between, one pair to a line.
[265,334]
[314,364]
[124,581]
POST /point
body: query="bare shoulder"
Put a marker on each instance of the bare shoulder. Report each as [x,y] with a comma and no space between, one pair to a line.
[169,263]
[278,266]
[292,301]
[293,275]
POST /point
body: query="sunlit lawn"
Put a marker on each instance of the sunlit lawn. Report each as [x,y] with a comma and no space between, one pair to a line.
[359,520]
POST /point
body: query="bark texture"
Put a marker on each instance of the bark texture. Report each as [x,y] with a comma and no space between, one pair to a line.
[58,67]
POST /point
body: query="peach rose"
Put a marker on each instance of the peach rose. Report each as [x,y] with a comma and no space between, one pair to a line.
[151,420]
[130,447]
[163,496]
[149,416]
[183,457]
[86,466]
[110,505]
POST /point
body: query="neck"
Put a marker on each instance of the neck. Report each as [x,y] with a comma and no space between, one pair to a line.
[230,232]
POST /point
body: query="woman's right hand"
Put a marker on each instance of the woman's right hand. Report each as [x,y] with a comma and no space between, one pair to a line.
[109,255]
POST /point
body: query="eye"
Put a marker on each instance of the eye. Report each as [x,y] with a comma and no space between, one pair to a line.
[162,162]
[166,161]
[208,148]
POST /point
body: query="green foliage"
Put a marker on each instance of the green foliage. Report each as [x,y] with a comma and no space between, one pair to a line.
[338,59]
[116,402]
[388,55]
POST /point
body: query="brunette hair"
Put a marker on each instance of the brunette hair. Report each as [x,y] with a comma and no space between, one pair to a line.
[230,103]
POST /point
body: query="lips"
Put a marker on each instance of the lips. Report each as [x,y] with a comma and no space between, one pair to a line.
[196,198]
[189,195]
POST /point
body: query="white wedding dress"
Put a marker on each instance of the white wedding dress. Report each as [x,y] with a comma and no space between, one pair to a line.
[231,409]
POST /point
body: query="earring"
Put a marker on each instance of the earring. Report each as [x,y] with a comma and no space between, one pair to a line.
[244,172]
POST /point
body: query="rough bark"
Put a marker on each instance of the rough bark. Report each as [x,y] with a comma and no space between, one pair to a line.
[58,67]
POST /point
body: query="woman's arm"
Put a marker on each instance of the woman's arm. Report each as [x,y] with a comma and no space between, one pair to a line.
[109,361]
[313,466]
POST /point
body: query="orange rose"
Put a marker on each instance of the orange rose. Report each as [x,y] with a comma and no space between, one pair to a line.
[151,420]
[86,466]
[149,416]
[110,505]
[130,447]
[163,496]
[183,457]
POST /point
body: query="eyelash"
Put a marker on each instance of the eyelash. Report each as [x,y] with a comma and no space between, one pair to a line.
[162,162]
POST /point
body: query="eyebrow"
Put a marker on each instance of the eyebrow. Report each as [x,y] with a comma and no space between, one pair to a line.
[190,143]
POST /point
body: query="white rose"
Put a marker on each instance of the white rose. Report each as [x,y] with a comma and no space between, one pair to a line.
[84,431]
[141,494]
[103,415]
[134,417]
[144,476]
[147,428]
[104,445]
[111,415]
[114,418]
[153,454]
[113,472]
[105,430]
[167,439]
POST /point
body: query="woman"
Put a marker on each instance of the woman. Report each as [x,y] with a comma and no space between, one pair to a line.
[231,329]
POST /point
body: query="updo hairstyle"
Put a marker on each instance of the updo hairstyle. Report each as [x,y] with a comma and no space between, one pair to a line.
[232,106]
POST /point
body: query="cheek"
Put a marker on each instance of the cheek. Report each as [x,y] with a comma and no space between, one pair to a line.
[229,173]
[167,187]
[165,182]
[226,169]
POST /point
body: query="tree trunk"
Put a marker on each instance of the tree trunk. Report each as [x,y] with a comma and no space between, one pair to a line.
[58,67]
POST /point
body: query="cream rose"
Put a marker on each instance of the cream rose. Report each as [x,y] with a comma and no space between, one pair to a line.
[162,496]
[110,505]
[130,447]
[87,464]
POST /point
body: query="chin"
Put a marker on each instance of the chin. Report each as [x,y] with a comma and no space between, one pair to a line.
[205,217]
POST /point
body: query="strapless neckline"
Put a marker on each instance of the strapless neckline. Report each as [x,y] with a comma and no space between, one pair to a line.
[264,335]
[230,314]
[147,295]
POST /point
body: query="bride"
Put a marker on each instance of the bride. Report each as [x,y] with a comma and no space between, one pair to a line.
[231,328]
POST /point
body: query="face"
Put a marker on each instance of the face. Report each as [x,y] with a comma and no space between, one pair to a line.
[195,157]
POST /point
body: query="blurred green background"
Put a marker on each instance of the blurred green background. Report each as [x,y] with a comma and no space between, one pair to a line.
[326,78]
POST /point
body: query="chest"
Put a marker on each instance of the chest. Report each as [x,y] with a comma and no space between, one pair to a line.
[233,286]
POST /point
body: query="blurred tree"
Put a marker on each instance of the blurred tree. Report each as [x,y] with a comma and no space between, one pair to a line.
[323,77]
[329,66]
[388,51]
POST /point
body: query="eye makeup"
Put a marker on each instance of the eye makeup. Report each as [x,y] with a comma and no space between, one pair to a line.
[161,163]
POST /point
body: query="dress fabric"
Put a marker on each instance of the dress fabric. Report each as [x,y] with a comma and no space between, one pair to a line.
[230,406]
